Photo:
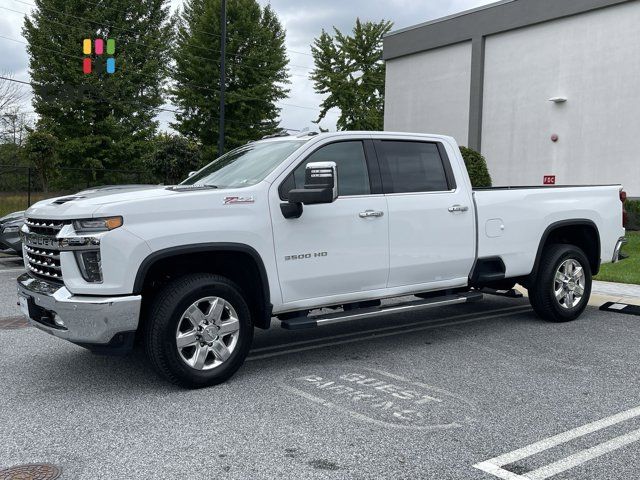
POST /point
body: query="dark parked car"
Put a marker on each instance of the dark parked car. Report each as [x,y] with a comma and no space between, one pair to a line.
[10,232]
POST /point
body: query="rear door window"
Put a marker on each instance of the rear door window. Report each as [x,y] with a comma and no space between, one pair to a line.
[412,167]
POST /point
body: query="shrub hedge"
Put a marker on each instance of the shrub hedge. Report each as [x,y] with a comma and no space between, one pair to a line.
[633,214]
[477,167]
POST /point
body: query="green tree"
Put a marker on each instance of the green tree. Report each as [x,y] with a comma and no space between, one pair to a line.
[173,157]
[350,71]
[476,167]
[101,120]
[256,72]
[41,151]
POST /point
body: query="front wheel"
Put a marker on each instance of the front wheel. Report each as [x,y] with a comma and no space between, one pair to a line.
[199,330]
[561,289]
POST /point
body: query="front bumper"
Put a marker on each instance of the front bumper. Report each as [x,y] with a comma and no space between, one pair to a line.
[82,319]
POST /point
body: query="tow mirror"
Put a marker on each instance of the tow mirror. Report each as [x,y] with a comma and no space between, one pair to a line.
[320,186]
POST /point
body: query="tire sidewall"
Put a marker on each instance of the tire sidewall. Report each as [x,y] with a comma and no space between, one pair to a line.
[202,378]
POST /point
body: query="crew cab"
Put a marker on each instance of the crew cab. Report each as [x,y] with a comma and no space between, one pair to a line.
[286,226]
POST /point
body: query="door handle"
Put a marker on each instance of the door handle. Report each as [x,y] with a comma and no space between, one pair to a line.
[458,208]
[370,213]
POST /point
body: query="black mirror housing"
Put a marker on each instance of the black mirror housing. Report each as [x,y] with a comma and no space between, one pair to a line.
[311,196]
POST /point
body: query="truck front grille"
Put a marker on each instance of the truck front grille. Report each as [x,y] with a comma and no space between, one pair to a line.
[45,227]
[42,255]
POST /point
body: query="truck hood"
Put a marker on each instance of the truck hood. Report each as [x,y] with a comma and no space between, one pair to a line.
[86,202]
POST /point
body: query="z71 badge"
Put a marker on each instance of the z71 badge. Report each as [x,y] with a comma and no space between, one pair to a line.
[305,256]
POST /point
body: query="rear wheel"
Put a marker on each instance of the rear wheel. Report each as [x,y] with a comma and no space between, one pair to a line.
[199,330]
[561,289]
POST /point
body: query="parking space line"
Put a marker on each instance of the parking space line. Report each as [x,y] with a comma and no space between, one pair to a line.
[494,465]
[430,326]
[584,456]
[380,329]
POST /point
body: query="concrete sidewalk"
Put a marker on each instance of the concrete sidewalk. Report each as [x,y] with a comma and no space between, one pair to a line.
[603,292]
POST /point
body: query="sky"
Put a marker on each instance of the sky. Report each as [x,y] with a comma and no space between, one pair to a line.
[303,21]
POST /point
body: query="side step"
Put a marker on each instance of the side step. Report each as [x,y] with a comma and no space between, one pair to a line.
[513,293]
[299,323]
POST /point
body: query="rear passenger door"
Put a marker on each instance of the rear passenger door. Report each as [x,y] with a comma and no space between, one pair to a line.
[431,224]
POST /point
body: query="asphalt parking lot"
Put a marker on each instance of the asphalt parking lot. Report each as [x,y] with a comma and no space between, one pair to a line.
[477,391]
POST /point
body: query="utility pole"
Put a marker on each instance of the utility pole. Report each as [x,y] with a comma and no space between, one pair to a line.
[223,74]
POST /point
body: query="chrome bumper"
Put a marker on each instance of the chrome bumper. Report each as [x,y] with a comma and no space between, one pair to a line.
[616,252]
[80,319]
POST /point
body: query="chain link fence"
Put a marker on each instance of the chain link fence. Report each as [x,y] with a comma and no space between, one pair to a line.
[20,186]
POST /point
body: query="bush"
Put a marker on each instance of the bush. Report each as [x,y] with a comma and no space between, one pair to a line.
[633,214]
[173,157]
[477,167]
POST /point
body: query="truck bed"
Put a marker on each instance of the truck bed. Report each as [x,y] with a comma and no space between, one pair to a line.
[512,220]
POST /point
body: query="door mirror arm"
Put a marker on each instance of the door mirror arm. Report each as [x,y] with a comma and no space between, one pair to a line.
[291,209]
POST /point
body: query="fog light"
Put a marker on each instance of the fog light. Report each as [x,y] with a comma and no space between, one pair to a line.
[58,321]
[90,266]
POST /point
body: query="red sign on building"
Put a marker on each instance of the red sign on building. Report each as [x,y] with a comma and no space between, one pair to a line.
[549,180]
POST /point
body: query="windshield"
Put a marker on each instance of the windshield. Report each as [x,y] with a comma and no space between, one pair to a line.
[244,166]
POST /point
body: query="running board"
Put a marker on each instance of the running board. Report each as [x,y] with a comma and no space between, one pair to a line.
[302,322]
[512,293]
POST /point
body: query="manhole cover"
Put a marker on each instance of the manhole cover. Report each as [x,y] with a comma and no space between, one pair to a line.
[32,471]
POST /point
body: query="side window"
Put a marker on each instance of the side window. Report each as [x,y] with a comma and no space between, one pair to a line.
[412,167]
[353,176]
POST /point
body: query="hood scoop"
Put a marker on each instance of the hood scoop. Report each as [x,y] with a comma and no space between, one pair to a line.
[62,200]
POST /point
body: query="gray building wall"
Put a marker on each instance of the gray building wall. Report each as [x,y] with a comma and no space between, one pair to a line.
[439,80]
[523,52]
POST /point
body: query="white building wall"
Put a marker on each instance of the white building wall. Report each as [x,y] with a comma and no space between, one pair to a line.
[594,60]
[429,92]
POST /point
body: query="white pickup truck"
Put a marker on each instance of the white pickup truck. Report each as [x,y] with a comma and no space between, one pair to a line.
[287,226]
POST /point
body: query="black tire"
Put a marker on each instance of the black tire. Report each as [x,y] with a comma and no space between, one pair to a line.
[162,323]
[541,288]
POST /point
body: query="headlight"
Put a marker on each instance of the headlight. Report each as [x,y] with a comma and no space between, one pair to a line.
[90,266]
[11,229]
[97,224]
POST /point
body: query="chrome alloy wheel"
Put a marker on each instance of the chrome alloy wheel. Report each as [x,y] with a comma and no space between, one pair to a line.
[569,283]
[207,333]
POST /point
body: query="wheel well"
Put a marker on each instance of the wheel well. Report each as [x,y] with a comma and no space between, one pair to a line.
[240,266]
[583,235]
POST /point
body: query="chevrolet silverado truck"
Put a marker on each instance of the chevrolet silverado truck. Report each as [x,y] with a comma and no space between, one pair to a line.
[312,229]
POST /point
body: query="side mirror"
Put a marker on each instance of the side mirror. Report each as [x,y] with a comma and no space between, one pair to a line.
[320,184]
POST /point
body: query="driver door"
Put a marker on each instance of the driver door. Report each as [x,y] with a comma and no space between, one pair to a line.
[338,248]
